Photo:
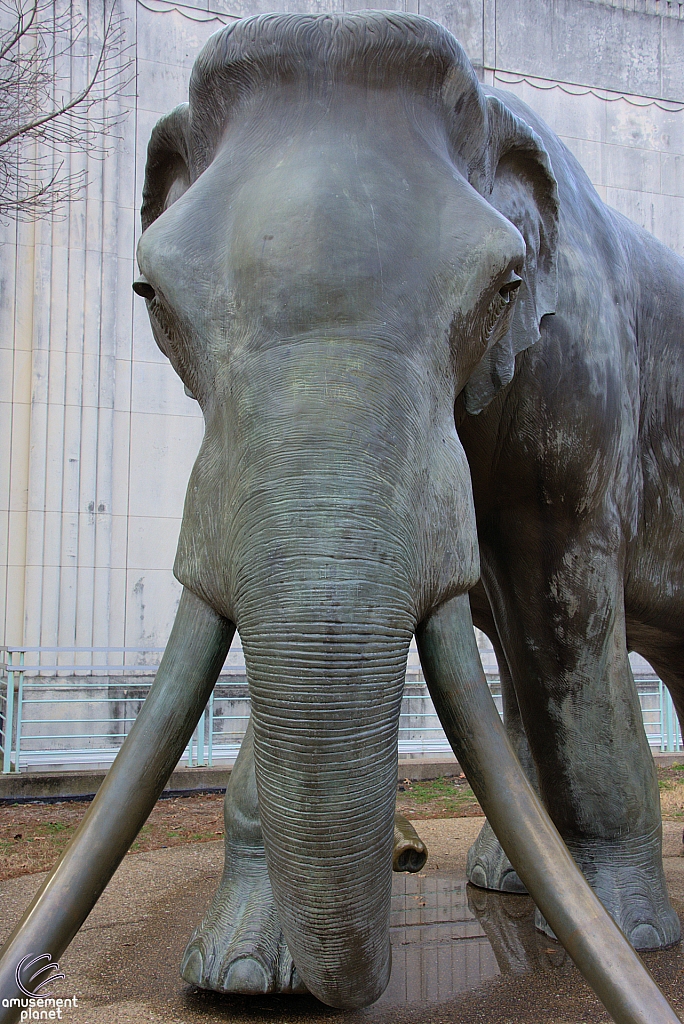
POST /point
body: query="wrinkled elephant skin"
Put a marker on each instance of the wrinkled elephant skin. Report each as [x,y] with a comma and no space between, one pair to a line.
[578,488]
[343,234]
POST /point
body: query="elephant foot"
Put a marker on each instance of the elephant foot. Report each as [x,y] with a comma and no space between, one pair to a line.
[239,947]
[488,867]
[627,876]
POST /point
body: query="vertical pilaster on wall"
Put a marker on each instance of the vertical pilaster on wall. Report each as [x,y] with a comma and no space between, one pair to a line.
[16,402]
[488,35]
[71,285]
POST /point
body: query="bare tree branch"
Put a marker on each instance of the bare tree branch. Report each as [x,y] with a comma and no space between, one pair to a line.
[21,28]
[51,115]
[44,118]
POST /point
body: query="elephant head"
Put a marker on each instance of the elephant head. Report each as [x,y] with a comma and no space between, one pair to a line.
[341,235]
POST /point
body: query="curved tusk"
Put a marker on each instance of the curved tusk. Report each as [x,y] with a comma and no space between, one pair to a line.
[194,656]
[453,671]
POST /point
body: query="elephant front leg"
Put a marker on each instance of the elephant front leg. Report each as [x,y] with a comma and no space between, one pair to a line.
[239,946]
[562,627]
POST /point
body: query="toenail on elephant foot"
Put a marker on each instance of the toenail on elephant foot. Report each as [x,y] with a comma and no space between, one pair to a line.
[192,967]
[247,977]
[488,867]
[289,981]
[645,937]
[502,882]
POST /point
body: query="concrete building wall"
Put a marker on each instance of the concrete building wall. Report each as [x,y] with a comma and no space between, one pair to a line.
[97,436]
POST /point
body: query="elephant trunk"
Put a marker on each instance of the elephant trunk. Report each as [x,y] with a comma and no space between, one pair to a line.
[344,511]
[326,711]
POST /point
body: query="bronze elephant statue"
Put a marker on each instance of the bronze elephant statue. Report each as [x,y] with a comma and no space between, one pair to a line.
[388,288]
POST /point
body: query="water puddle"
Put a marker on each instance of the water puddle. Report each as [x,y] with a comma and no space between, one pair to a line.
[449,938]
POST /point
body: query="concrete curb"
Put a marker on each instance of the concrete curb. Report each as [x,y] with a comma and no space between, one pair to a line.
[51,787]
[26,787]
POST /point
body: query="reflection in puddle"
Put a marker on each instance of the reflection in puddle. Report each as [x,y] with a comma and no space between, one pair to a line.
[448,937]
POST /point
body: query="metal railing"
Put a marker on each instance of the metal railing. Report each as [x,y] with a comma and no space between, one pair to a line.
[73,707]
[65,708]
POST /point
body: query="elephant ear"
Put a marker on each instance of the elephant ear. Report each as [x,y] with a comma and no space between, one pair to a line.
[167,177]
[167,174]
[524,190]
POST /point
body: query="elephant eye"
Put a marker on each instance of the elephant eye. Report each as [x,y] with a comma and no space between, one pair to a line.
[509,289]
[142,287]
[500,309]
[171,336]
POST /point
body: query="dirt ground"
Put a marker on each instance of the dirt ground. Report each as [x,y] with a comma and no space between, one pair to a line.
[33,836]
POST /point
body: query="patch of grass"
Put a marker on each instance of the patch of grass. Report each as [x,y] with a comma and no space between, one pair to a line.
[437,798]
[440,789]
[142,836]
[671,786]
[33,836]
[54,827]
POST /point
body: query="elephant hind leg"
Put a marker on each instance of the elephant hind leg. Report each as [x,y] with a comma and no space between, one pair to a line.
[623,876]
[675,684]
[488,867]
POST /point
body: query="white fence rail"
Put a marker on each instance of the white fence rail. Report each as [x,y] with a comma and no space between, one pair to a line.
[67,708]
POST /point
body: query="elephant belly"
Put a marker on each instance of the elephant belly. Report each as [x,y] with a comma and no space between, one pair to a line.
[654,596]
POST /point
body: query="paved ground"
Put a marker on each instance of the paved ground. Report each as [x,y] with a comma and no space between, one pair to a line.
[123,965]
